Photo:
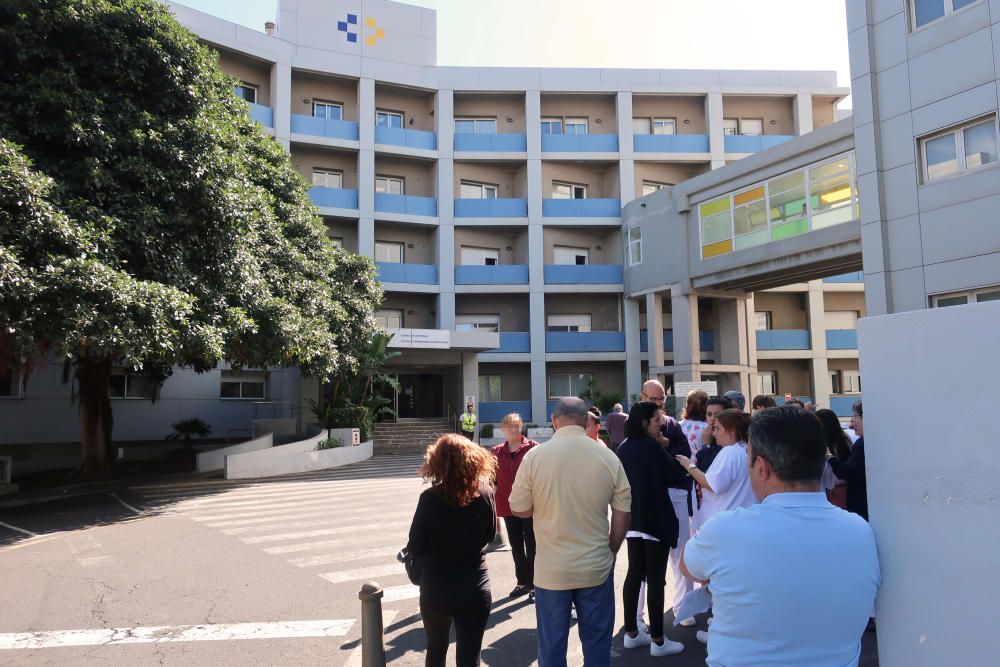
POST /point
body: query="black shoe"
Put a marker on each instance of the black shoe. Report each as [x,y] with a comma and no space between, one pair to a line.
[531,596]
[519,591]
[871,625]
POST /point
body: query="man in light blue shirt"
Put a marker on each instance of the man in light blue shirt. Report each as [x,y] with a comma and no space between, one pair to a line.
[793,579]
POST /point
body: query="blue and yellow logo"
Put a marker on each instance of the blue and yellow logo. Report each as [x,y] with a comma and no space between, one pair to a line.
[349,26]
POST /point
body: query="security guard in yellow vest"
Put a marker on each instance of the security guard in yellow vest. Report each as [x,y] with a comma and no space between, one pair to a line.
[467,422]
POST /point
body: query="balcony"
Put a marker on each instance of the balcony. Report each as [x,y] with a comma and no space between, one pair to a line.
[491,208]
[334,197]
[394,136]
[706,340]
[783,339]
[493,411]
[855,277]
[670,143]
[581,208]
[415,274]
[405,204]
[323,127]
[583,274]
[579,143]
[843,406]
[841,339]
[513,341]
[491,143]
[261,114]
[585,341]
[508,274]
[746,144]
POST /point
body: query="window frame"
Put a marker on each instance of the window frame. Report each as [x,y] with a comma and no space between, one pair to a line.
[483,249]
[475,120]
[768,320]
[648,125]
[499,388]
[337,241]
[330,104]
[387,313]
[949,10]
[664,119]
[744,120]
[576,122]
[585,378]
[971,296]
[127,374]
[577,250]
[484,187]
[386,244]
[631,242]
[549,120]
[735,128]
[475,321]
[327,171]
[658,186]
[246,85]
[958,133]
[573,188]
[565,322]
[774,382]
[242,380]
[391,179]
[389,113]
[847,381]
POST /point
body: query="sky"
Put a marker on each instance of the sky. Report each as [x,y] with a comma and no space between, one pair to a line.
[660,34]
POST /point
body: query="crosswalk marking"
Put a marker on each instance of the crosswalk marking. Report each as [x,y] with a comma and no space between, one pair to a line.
[308,524]
[398,593]
[330,559]
[344,576]
[280,537]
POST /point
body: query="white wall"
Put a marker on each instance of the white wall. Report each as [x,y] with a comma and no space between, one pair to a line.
[932,447]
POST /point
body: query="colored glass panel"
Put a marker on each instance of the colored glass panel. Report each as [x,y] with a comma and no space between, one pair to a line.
[720,248]
[748,196]
[750,218]
[716,206]
[789,229]
[750,240]
[715,228]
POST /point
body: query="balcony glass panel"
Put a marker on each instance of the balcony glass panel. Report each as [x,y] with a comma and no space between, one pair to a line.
[491,208]
[513,342]
[493,411]
[498,143]
[670,143]
[586,274]
[334,197]
[574,143]
[417,274]
[783,339]
[585,341]
[405,204]
[324,127]
[581,208]
[506,274]
[394,136]
[261,114]
[841,339]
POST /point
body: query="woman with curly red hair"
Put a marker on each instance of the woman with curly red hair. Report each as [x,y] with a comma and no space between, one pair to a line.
[454,522]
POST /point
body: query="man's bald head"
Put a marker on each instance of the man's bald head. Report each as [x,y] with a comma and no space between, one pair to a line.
[652,391]
[569,411]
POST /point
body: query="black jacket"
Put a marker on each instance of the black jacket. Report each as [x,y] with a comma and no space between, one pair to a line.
[678,445]
[852,471]
[651,471]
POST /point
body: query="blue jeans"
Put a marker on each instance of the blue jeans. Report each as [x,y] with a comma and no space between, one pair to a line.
[595,611]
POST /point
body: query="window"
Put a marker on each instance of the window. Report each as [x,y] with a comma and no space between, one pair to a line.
[664,126]
[831,194]
[337,241]
[475,126]
[762,320]
[634,241]
[388,318]
[126,384]
[473,190]
[568,190]
[576,126]
[788,198]
[962,149]
[767,383]
[649,187]
[730,126]
[392,185]
[926,11]
[246,91]
[327,178]
[552,126]
[562,254]
[388,118]
[328,110]
[835,382]
[962,298]
[751,127]
[641,126]
[242,385]
[851,381]
[489,322]
[569,322]
[489,388]
[10,383]
[572,384]
[389,251]
[842,319]
[480,256]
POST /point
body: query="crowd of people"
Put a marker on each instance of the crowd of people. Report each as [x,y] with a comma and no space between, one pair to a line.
[766,510]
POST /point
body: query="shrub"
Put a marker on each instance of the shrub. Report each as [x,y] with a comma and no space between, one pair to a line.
[330,443]
[486,431]
[352,417]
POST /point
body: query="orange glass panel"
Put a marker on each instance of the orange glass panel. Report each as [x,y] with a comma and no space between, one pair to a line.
[720,248]
[749,196]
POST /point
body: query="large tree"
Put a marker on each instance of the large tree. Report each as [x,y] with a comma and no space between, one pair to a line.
[145,220]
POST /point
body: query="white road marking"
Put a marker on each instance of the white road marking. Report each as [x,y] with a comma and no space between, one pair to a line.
[364,573]
[262,499]
[273,489]
[344,556]
[354,660]
[321,533]
[398,593]
[125,504]
[18,530]
[306,546]
[312,523]
[176,633]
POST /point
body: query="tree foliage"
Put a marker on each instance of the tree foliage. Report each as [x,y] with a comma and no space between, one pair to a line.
[146,220]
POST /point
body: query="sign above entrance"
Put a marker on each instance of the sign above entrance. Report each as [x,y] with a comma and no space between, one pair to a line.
[438,339]
[710,387]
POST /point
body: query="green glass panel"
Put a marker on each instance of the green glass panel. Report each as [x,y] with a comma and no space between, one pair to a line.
[751,240]
[787,206]
[789,229]
[716,228]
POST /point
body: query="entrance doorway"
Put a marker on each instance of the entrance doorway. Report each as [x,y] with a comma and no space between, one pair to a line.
[420,396]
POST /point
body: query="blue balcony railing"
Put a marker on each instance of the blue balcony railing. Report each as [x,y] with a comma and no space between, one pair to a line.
[491,143]
[670,143]
[324,127]
[583,274]
[581,208]
[494,411]
[843,406]
[741,144]
[416,274]
[585,341]
[405,204]
[491,208]
[580,143]
[394,136]
[261,114]
[706,340]
[853,277]
[507,274]
[513,341]
[783,339]
[334,197]
[841,339]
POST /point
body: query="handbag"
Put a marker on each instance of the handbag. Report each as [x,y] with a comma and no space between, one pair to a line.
[413,564]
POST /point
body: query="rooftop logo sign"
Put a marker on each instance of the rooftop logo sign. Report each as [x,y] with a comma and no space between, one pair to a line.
[349,26]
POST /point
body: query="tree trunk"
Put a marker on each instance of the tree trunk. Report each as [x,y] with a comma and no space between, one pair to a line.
[93,379]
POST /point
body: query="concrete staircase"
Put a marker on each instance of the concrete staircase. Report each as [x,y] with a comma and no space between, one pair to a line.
[413,436]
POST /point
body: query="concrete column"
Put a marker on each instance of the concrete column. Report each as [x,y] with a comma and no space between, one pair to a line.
[623,109]
[803,112]
[470,375]
[446,276]
[633,363]
[366,113]
[281,102]
[626,180]
[539,383]
[445,311]
[687,346]
[366,167]
[732,332]
[816,312]
[716,136]
[749,310]
[533,122]
[444,121]
[654,329]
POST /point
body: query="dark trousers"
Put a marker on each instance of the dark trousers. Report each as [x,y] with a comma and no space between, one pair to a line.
[470,624]
[521,535]
[646,560]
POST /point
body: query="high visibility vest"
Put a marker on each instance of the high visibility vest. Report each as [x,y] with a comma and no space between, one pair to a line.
[468,422]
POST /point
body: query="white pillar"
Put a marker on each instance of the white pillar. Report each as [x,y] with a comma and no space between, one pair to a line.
[654,329]
[716,135]
[687,346]
[822,387]
[633,363]
[281,102]
[366,167]
[803,112]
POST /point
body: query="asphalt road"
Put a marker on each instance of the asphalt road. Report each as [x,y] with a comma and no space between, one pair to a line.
[208,572]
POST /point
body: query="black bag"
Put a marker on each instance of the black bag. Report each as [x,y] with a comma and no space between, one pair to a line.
[412,563]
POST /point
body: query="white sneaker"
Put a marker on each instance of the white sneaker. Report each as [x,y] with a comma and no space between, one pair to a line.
[666,648]
[572,613]
[689,622]
[643,628]
[702,636]
[641,639]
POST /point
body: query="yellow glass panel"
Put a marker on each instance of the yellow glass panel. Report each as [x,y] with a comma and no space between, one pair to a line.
[748,196]
[716,206]
[720,248]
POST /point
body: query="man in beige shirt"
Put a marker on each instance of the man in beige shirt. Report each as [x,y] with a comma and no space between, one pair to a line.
[566,486]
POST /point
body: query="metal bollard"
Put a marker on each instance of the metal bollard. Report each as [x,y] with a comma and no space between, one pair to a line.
[372,637]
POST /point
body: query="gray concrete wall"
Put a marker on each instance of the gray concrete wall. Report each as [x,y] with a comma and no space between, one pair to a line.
[419,175]
[415,105]
[605,246]
[601,179]
[512,308]
[424,250]
[246,69]
[788,311]
[500,238]
[603,308]
[683,108]
[422,305]
[515,380]
[509,177]
[344,229]
[598,109]
[777,109]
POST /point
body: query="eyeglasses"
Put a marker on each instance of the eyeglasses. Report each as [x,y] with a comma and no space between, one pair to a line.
[656,399]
